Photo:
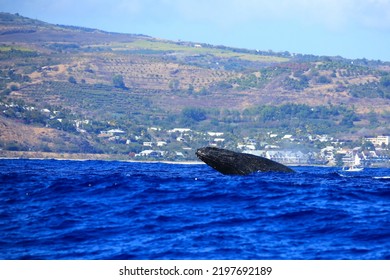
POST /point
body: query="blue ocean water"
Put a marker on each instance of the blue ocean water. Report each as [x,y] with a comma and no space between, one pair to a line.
[52,209]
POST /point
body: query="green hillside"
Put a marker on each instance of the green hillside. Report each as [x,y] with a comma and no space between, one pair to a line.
[72,84]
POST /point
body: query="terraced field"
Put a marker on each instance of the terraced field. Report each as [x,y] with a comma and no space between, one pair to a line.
[139,72]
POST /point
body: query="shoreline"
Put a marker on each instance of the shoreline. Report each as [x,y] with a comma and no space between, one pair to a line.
[82,157]
[99,157]
[108,157]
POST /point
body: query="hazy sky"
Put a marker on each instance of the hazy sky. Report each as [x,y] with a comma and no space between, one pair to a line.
[350,28]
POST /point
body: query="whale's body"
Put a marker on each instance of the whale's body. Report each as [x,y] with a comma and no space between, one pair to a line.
[232,163]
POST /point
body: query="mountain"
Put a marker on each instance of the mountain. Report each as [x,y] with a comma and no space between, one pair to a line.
[65,86]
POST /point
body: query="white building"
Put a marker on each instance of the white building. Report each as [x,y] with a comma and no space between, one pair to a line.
[181,130]
[151,153]
[246,146]
[147,144]
[216,134]
[161,143]
[112,132]
[288,137]
[379,140]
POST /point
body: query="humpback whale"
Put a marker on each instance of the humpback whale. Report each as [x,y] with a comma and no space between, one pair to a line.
[232,163]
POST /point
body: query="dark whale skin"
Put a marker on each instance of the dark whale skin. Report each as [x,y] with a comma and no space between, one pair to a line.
[232,163]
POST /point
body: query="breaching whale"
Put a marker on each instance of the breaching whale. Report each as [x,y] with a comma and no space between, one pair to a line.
[232,163]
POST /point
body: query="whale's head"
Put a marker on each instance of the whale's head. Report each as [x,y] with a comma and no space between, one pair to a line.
[219,159]
[209,154]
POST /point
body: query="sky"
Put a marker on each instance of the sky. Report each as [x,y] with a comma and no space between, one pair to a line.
[349,28]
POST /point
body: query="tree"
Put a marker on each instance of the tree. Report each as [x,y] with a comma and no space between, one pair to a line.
[194,114]
[14,88]
[203,91]
[72,80]
[368,146]
[118,82]
[190,89]
[323,80]
[348,119]
[385,81]
[339,159]
[174,85]
[373,118]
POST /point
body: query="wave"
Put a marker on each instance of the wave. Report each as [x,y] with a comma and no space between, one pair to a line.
[107,210]
[381,177]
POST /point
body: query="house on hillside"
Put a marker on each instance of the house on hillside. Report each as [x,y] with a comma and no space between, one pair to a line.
[147,144]
[161,143]
[327,153]
[151,153]
[219,140]
[246,147]
[180,130]
[379,140]
[215,134]
[288,137]
[111,132]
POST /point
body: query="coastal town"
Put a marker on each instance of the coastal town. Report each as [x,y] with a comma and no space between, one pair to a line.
[180,144]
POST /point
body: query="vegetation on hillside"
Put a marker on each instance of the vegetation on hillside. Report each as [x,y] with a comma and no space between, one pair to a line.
[83,82]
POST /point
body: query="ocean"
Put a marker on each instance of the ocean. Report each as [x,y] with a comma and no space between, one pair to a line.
[58,209]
